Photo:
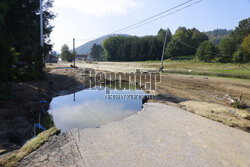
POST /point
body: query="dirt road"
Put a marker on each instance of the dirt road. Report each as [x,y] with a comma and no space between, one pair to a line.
[213,89]
[205,96]
[160,135]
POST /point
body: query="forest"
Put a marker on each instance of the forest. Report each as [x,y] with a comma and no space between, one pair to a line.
[184,43]
[217,35]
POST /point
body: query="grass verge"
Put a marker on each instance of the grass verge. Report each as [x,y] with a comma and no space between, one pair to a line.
[13,158]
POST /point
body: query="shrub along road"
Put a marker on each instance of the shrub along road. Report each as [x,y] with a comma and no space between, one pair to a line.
[159,135]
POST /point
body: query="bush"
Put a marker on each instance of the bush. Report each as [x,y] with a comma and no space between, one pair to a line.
[206,51]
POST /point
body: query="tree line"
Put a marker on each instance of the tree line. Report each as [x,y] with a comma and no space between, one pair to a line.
[184,43]
[133,48]
[234,48]
[20,50]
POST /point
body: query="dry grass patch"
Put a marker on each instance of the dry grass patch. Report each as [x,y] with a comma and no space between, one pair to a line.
[226,115]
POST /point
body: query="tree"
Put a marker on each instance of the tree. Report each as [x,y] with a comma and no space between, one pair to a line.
[8,56]
[132,48]
[243,54]
[96,51]
[217,35]
[227,47]
[20,31]
[183,39]
[65,53]
[162,33]
[206,51]
[173,49]
[240,36]
[242,31]
[26,38]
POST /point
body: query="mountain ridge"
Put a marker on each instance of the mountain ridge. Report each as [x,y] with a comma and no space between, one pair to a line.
[86,48]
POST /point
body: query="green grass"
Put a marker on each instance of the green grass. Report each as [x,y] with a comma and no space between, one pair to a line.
[229,70]
[232,71]
[227,75]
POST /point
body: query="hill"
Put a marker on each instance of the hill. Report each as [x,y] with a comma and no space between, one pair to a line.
[217,35]
[86,48]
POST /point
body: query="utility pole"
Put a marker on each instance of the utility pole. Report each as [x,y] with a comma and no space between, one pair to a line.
[41,28]
[163,52]
[74,53]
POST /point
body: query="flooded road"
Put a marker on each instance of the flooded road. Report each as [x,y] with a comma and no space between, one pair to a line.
[91,108]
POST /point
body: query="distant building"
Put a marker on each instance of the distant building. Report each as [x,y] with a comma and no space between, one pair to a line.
[82,57]
[51,58]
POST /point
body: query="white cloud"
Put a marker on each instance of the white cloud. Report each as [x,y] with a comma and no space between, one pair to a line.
[99,7]
[89,114]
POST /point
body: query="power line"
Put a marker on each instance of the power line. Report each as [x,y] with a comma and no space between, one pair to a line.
[163,16]
[185,44]
[195,47]
[153,16]
[126,28]
[138,24]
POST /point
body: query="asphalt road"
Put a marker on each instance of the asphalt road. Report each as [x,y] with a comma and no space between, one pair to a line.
[160,135]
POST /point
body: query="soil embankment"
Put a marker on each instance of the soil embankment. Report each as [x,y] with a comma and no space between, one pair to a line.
[19,113]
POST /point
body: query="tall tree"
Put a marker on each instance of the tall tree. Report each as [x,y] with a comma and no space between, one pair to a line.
[233,48]
[185,41]
[227,48]
[132,48]
[96,52]
[7,52]
[206,51]
[65,53]
[243,54]
[241,31]
[162,33]
[21,29]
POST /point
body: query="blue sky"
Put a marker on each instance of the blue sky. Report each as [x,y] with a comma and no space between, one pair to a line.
[88,19]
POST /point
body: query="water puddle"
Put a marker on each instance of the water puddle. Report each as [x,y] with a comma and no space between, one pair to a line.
[93,108]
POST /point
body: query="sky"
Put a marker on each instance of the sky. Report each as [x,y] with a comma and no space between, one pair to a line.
[86,20]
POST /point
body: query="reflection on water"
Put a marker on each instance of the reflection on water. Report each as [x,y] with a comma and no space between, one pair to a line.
[89,108]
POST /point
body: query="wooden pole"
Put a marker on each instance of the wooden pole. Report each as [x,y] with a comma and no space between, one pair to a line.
[74,53]
[163,53]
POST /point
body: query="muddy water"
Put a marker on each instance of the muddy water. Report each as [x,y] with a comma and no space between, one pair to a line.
[92,108]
